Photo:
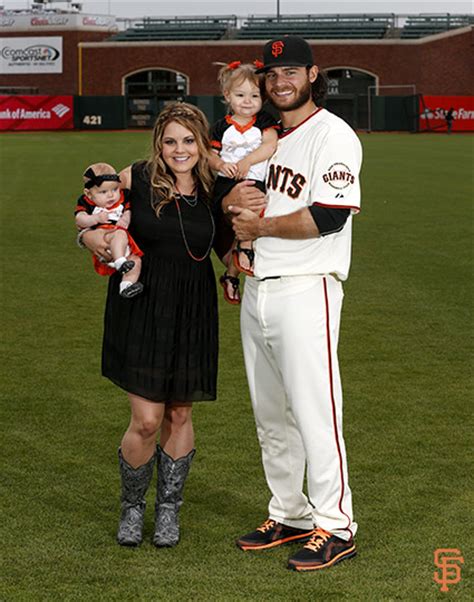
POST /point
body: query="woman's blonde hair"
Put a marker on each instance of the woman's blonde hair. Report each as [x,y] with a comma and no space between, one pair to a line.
[161,177]
[235,73]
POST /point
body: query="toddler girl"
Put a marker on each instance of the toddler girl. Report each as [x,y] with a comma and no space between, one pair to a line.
[242,141]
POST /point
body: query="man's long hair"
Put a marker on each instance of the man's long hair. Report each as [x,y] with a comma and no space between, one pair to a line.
[319,88]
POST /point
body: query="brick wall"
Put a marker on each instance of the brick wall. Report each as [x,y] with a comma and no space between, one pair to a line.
[438,65]
[55,83]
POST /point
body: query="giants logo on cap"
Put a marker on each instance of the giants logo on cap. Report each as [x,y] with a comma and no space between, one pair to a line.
[277,48]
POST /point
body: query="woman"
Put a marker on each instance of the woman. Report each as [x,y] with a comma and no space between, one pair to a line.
[161,347]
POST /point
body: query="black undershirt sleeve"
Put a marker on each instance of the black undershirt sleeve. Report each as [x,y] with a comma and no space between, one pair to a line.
[328,219]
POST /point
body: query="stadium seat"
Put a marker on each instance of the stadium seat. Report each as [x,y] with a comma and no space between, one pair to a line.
[318,26]
[326,27]
[418,26]
[186,28]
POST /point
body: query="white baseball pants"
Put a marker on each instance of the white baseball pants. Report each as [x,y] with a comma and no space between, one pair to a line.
[290,329]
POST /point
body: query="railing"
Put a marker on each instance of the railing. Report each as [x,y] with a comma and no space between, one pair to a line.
[417,26]
[178,21]
[179,28]
[330,26]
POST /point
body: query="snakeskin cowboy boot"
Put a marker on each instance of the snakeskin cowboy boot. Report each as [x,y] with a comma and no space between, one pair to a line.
[135,483]
[169,497]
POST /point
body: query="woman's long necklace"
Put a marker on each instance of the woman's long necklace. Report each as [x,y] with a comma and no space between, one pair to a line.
[181,226]
[190,199]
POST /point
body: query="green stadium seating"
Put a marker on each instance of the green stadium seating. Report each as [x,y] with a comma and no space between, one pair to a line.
[326,27]
[426,25]
[186,28]
[318,26]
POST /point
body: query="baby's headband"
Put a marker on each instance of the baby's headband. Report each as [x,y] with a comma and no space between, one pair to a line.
[99,180]
[235,64]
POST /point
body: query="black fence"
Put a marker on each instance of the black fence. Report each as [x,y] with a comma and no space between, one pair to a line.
[388,113]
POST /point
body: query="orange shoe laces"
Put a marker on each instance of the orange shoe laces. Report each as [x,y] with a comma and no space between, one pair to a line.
[319,538]
[266,526]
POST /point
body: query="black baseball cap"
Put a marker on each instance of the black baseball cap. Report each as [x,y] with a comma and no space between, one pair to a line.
[287,51]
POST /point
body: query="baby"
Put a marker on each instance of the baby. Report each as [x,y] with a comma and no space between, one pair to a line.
[105,206]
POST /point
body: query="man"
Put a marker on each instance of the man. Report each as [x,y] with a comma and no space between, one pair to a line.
[291,312]
[449,117]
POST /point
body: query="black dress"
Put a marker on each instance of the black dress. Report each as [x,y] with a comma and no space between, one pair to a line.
[163,343]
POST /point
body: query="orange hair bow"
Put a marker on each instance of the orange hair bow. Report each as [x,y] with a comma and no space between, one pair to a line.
[234,64]
[258,64]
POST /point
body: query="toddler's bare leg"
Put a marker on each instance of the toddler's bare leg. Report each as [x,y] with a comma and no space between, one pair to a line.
[231,268]
[243,257]
[230,279]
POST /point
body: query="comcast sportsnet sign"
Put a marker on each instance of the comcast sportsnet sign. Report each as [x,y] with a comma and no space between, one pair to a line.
[31,55]
[36,113]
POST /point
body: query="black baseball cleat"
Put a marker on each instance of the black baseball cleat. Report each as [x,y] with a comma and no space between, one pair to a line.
[271,534]
[322,550]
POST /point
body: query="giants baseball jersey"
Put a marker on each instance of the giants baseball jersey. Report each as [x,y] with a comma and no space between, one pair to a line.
[317,162]
[235,141]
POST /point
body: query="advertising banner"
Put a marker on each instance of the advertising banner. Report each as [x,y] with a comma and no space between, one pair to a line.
[31,55]
[36,113]
[47,21]
[435,109]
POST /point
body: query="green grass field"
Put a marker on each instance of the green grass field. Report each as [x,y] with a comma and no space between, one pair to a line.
[405,354]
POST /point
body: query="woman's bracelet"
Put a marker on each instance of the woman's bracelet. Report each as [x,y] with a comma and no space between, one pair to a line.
[79,242]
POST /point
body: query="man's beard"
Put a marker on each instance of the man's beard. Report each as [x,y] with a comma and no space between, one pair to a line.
[303,97]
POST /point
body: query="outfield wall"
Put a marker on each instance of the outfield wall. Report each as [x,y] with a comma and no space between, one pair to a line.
[433,109]
[389,113]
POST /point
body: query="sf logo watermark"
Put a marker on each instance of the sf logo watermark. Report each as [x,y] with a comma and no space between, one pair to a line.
[448,561]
